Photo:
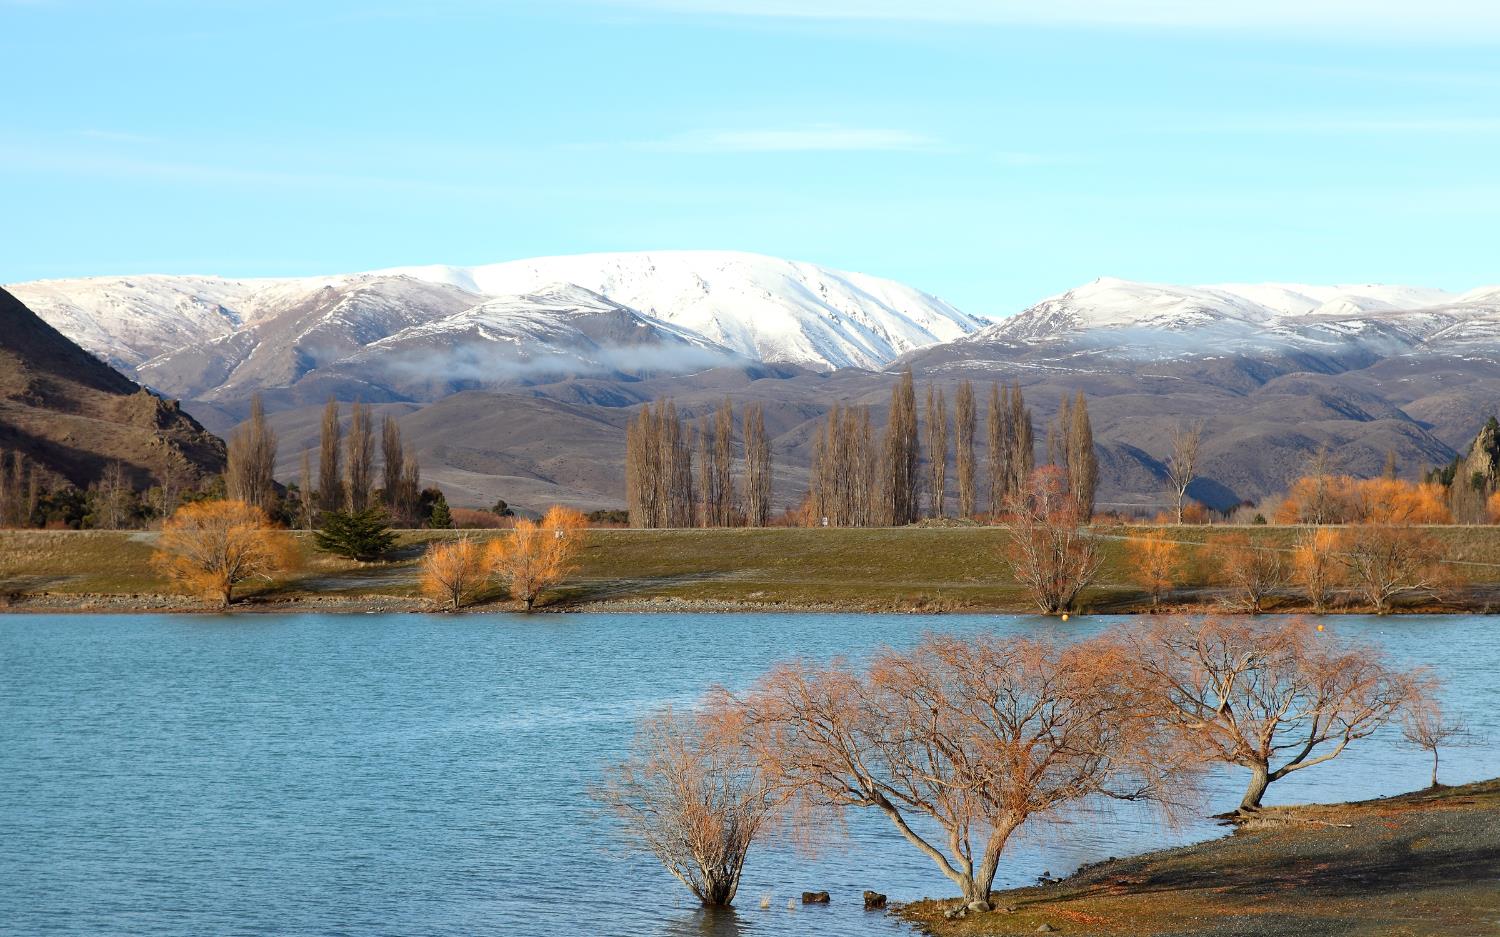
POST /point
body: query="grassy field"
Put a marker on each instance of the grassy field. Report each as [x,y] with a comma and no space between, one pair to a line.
[922,568]
[1424,863]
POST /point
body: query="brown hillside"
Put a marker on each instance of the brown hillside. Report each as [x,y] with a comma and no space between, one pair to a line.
[72,414]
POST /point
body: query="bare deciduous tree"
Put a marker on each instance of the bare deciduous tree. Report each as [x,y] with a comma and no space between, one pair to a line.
[1424,726]
[692,794]
[1271,698]
[757,467]
[1182,464]
[249,474]
[359,460]
[393,468]
[968,737]
[330,460]
[900,482]
[659,469]
[1251,574]
[1387,563]
[1051,554]
[937,450]
[843,470]
[963,440]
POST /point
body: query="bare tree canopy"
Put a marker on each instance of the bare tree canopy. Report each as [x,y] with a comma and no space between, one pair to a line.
[1051,554]
[691,794]
[1182,464]
[963,440]
[975,735]
[249,473]
[1273,698]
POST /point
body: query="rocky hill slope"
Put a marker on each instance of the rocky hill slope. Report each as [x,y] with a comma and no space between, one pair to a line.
[71,414]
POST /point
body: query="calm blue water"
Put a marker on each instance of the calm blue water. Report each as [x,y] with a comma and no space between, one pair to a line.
[364,775]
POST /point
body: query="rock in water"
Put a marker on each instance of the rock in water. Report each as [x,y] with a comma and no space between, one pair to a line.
[874,901]
[815,897]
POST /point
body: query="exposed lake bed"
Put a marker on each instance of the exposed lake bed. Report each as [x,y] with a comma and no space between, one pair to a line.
[414,773]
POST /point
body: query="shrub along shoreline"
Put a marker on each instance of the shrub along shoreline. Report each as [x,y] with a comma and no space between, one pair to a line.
[910,569]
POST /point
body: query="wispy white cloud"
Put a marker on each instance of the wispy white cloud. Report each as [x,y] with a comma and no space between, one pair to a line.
[824,138]
[1455,19]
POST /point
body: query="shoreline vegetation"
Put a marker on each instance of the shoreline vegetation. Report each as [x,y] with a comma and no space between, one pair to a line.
[916,569]
[1419,863]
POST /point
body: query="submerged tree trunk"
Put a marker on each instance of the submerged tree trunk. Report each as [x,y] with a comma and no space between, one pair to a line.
[1260,779]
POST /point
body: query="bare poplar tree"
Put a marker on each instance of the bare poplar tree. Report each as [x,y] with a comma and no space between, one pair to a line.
[249,475]
[1182,466]
[1057,438]
[111,494]
[392,461]
[641,470]
[901,483]
[359,455]
[677,467]
[170,480]
[330,459]
[304,484]
[963,432]
[1083,463]
[724,464]
[997,445]
[411,484]
[1022,456]
[757,467]
[937,449]
[844,468]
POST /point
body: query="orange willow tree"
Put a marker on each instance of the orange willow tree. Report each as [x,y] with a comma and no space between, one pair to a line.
[975,735]
[1271,698]
[1156,563]
[537,556]
[212,546]
[454,572]
[692,794]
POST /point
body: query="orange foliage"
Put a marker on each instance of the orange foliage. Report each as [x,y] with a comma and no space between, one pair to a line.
[1340,499]
[1155,563]
[1493,506]
[454,572]
[536,556]
[1316,564]
[212,546]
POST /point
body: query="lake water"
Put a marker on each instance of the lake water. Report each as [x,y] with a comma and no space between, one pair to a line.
[371,775]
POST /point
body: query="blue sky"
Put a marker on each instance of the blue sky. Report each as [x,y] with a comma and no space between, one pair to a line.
[990,152]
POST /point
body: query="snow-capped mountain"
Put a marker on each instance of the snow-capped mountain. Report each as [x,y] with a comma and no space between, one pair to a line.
[210,337]
[761,307]
[1159,321]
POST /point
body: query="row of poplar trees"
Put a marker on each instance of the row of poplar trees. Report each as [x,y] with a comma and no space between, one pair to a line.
[859,481]
[663,490]
[346,475]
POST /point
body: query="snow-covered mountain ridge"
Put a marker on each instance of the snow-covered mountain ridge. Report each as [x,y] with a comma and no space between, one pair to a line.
[1173,321]
[761,308]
